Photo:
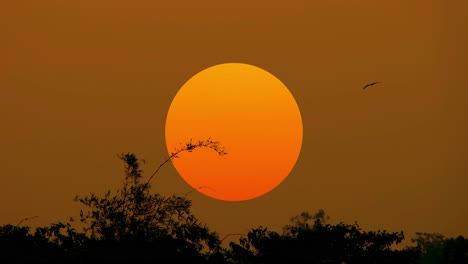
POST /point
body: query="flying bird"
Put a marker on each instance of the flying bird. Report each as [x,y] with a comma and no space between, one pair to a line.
[370,84]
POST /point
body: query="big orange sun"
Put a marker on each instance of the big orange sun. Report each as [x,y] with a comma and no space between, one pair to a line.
[253,116]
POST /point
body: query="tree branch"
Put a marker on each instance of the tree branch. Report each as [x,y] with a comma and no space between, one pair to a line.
[190,146]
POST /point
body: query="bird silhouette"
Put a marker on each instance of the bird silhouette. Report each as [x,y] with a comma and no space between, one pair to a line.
[370,84]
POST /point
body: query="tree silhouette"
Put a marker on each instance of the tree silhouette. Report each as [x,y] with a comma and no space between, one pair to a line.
[319,242]
[133,216]
[435,248]
[133,225]
[57,243]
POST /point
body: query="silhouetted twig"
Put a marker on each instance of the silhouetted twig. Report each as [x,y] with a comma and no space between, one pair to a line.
[190,146]
[201,187]
[26,219]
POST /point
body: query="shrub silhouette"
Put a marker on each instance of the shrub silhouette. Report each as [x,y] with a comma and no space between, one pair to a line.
[435,248]
[132,225]
[57,243]
[133,219]
[319,242]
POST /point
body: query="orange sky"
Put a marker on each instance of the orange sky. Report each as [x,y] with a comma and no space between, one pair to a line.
[82,81]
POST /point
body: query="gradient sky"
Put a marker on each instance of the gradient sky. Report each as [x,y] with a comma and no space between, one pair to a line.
[82,81]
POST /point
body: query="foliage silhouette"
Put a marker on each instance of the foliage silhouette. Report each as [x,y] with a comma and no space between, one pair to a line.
[300,242]
[435,248]
[132,225]
[318,242]
[55,244]
[133,216]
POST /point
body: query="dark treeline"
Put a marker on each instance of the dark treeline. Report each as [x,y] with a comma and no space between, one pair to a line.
[132,225]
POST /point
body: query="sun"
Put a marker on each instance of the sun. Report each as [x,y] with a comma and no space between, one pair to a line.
[255,118]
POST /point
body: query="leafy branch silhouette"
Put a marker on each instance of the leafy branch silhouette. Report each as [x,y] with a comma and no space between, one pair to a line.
[189,147]
[134,214]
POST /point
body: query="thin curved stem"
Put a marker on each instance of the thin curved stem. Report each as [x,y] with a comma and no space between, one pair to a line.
[26,219]
[190,146]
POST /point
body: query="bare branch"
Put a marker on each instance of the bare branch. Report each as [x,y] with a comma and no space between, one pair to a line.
[201,187]
[26,219]
[189,147]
